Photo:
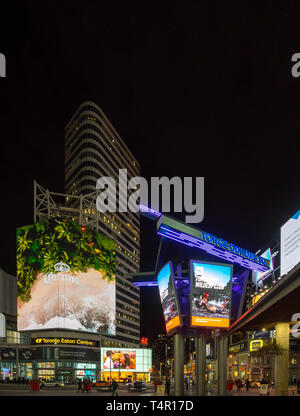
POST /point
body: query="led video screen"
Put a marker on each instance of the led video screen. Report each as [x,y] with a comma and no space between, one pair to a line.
[169,301]
[118,359]
[65,278]
[126,360]
[210,295]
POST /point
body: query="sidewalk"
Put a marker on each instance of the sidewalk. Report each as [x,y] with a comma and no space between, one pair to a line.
[243,392]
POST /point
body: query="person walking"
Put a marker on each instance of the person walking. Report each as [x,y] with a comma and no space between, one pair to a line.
[168,387]
[79,385]
[247,384]
[193,385]
[239,384]
[187,384]
[85,385]
[115,386]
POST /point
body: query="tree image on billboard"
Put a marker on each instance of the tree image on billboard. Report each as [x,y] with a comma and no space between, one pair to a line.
[65,278]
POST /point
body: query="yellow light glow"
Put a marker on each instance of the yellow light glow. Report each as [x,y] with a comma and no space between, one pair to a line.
[256,344]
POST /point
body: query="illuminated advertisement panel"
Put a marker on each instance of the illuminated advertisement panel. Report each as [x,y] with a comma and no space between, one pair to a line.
[210,295]
[169,301]
[258,277]
[290,244]
[136,360]
[256,344]
[117,359]
[65,278]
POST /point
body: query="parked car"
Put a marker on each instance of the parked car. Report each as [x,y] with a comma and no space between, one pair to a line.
[136,386]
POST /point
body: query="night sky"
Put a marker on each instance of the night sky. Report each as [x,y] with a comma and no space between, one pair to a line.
[194,89]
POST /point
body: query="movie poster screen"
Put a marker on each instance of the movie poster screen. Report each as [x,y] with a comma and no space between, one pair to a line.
[168,297]
[210,295]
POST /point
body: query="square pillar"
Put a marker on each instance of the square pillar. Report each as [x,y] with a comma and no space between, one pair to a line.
[179,364]
[200,362]
[222,364]
[282,360]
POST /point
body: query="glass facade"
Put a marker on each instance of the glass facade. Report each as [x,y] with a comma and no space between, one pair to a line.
[94,149]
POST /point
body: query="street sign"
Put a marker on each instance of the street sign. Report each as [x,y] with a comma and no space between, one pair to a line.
[263,389]
[160,390]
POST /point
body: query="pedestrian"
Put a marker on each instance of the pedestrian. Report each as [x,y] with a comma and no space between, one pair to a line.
[79,385]
[85,384]
[115,386]
[168,387]
[247,384]
[239,384]
[193,385]
[187,384]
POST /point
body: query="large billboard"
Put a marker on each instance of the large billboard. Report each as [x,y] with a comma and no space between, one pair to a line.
[210,295]
[136,360]
[117,359]
[65,278]
[290,244]
[168,297]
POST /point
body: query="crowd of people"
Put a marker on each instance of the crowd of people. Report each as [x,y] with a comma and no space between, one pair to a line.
[84,385]
[19,380]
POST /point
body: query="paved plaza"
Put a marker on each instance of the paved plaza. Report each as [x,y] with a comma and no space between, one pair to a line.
[24,390]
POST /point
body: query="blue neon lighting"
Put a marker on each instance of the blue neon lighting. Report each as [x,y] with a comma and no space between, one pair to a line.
[151,211]
[145,284]
[209,247]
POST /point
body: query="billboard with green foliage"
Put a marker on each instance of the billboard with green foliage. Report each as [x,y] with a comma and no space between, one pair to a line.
[65,278]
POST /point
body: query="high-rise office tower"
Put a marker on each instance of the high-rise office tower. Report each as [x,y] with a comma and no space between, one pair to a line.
[93,149]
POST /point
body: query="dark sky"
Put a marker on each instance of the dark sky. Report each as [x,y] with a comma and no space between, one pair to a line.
[194,88]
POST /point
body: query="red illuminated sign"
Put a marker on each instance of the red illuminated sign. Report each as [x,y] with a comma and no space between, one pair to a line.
[144,341]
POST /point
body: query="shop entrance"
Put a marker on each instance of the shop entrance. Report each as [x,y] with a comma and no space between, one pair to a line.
[65,377]
[82,374]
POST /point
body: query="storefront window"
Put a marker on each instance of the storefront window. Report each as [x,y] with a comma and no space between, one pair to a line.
[86,374]
[25,370]
[8,370]
[85,365]
[64,364]
[45,365]
[48,375]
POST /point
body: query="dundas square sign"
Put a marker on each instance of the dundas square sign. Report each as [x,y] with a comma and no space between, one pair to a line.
[186,234]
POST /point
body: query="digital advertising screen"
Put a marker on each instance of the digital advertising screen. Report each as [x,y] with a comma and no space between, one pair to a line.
[290,244]
[210,295]
[258,277]
[65,278]
[118,359]
[137,360]
[168,297]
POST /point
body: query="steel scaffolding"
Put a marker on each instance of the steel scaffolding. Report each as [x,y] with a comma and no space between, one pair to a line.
[78,208]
